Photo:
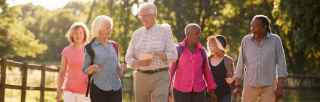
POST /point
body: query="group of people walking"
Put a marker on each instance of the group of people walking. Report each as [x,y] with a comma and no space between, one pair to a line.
[168,71]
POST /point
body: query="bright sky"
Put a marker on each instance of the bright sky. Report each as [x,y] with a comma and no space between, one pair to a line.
[49,4]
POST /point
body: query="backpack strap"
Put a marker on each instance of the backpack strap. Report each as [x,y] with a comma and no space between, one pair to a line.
[90,51]
[204,55]
[115,46]
[91,54]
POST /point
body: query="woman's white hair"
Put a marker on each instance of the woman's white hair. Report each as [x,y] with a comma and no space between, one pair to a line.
[100,21]
[152,8]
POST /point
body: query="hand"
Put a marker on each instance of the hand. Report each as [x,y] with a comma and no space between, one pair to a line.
[237,89]
[213,97]
[161,55]
[237,81]
[229,80]
[59,95]
[94,68]
[122,69]
[279,89]
[144,62]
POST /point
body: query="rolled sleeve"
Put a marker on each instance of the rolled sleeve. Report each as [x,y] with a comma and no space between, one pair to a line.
[170,49]
[130,55]
[281,66]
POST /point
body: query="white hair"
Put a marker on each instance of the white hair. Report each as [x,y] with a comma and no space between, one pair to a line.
[190,26]
[152,8]
[100,21]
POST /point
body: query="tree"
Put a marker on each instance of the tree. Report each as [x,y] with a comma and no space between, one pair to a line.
[15,39]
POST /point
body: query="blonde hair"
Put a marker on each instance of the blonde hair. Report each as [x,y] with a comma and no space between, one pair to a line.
[74,27]
[152,8]
[98,22]
[213,38]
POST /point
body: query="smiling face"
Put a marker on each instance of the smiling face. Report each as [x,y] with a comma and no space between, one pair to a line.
[194,35]
[78,35]
[257,27]
[147,18]
[104,31]
[213,47]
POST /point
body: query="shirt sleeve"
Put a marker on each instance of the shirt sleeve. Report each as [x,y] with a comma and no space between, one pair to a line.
[240,64]
[280,59]
[129,57]
[170,49]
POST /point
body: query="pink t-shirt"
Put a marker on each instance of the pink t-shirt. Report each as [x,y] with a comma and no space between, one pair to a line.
[75,79]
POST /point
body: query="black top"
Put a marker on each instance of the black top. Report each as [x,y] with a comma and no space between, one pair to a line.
[219,73]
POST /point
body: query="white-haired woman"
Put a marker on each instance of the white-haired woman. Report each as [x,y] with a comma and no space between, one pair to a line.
[102,63]
[72,82]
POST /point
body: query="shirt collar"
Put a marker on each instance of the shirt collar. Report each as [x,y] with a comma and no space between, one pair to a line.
[152,27]
[198,45]
[268,36]
[96,43]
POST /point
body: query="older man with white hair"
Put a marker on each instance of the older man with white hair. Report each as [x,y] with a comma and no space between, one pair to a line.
[150,51]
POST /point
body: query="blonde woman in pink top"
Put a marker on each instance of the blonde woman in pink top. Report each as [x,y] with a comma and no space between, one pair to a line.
[72,82]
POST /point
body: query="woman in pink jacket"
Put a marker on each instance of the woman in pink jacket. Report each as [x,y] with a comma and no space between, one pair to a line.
[190,74]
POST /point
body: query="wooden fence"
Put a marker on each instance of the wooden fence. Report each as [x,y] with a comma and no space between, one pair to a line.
[295,81]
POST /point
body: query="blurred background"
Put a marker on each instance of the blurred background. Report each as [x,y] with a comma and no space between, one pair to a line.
[33,31]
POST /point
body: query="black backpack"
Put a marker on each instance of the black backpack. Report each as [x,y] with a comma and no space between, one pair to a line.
[91,53]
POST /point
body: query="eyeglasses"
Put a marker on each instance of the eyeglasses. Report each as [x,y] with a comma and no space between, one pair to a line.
[145,16]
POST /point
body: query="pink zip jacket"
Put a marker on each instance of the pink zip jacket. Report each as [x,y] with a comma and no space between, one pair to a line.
[191,75]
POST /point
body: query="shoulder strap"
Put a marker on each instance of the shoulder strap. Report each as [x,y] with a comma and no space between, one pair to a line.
[115,46]
[179,51]
[90,51]
[203,54]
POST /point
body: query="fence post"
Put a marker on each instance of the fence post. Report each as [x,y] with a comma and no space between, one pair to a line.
[3,79]
[42,83]
[24,82]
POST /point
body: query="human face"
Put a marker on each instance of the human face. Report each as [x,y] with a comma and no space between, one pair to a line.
[193,36]
[213,47]
[257,28]
[146,18]
[104,31]
[78,35]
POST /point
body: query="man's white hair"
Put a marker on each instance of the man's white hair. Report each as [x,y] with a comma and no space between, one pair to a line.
[149,6]
[100,21]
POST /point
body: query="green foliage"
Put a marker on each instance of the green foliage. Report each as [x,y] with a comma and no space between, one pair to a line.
[295,21]
[299,27]
[16,40]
